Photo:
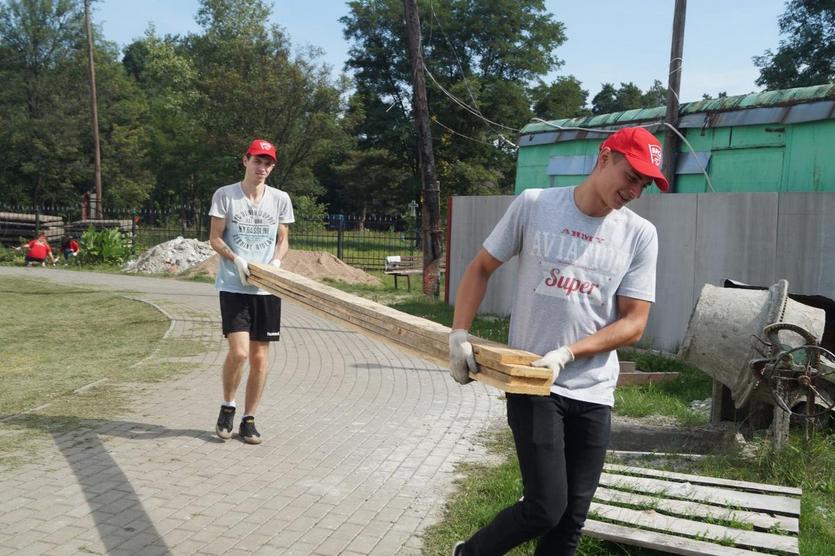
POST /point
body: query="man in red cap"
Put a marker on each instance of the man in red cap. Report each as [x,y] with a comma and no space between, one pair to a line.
[585,284]
[249,223]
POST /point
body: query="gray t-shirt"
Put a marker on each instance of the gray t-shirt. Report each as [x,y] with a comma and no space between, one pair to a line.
[251,230]
[571,268]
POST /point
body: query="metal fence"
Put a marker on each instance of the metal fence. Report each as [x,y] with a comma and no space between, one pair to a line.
[363,242]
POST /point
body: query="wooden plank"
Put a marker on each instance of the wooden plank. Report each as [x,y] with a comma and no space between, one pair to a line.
[649,519]
[521,389]
[702,480]
[545,385]
[659,541]
[695,509]
[713,495]
[503,355]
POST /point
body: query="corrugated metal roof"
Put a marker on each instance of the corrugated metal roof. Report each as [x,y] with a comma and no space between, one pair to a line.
[788,105]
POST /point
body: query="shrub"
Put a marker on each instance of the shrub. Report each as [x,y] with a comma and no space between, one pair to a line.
[106,247]
[310,215]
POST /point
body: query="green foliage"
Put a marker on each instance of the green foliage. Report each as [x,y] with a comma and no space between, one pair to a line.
[806,56]
[8,255]
[483,59]
[310,215]
[564,98]
[103,247]
[627,97]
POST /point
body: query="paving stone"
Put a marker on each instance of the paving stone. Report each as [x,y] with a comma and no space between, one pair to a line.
[348,466]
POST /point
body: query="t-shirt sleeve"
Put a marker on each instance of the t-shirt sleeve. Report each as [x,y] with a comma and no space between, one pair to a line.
[285,210]
[639,280]
[505,240]
[219,204]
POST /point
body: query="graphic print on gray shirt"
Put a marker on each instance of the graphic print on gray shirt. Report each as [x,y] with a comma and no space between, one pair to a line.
[571,269]
[250,232]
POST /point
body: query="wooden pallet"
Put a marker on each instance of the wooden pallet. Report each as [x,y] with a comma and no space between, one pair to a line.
[692,514]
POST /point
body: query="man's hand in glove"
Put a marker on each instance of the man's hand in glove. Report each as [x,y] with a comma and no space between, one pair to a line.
[555,360]
[243,269]
[276,263]
[461,359]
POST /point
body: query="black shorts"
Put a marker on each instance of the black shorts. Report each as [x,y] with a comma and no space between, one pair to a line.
[260,315]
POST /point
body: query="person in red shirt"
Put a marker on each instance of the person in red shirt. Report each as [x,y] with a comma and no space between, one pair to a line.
[38,250]
[69,247]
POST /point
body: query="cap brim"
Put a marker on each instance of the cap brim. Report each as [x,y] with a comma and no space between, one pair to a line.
[262,153]
[650,170]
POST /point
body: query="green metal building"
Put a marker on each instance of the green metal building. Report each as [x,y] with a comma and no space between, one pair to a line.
[766,142]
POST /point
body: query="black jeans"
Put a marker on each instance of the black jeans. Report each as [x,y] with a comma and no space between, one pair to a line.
[561,445]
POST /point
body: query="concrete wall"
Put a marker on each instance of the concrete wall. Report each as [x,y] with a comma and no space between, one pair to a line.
[755,238]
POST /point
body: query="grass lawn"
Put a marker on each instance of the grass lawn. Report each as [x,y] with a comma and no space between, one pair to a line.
[55,340]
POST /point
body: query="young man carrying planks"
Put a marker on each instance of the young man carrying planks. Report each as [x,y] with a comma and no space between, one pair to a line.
[249,224]
[585,284]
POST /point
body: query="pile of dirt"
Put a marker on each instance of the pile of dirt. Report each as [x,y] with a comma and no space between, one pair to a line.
[316,265]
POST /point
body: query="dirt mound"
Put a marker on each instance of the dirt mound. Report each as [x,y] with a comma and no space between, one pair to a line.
[311,264]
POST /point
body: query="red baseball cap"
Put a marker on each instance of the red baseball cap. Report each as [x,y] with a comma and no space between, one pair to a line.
[642,150]
[260,147]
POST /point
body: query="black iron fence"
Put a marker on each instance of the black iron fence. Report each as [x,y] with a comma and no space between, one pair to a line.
[363,242]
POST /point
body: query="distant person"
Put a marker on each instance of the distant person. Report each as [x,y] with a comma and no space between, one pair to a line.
[38,250]
[584,286]
[69,247]
[249,224]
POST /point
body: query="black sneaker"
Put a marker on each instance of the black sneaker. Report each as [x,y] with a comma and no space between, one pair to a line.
[247,432]
[458,549]
[225,422]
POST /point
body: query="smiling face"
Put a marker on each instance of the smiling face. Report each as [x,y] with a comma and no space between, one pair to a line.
[618,183]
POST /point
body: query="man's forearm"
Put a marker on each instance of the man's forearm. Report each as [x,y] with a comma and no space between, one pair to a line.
[222,249]
[623,332]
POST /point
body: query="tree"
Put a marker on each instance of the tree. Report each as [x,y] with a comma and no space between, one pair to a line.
[628,97]
[484,54]
[564,98]
[40,137]
[807,55]
[250,84]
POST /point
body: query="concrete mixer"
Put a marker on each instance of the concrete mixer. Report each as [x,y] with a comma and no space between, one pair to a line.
[765,348]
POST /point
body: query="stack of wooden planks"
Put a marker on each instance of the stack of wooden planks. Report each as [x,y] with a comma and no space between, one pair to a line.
[509,370]
[501,367]
[680,513]
[16,225]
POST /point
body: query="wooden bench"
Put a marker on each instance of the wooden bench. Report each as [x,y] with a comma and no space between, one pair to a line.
[408,266]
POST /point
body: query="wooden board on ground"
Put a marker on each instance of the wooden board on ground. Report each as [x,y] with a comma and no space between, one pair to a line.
[691,514]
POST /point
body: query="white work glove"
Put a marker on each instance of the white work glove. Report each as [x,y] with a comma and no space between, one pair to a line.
[461,359]
[276,263]
[555,360]
[243,269]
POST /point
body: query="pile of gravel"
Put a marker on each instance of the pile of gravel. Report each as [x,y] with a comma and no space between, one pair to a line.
[172,257]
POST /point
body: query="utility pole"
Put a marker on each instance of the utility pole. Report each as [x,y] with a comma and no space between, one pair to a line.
[430,215]
[671,140]
[91,73]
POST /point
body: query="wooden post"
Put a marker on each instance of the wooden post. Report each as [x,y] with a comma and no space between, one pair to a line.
[671,140]
[430,215]
[91,73]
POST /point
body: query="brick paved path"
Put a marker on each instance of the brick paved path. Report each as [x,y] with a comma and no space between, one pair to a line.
[360,443]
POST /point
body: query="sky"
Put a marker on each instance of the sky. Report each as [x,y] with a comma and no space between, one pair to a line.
[608,41]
